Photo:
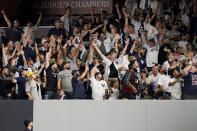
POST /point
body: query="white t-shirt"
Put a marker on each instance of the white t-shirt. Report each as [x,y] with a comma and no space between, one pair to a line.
[176,89]
[98,88]
[114,95]
[166,64]
[164,80]
[152,78]
[183,45]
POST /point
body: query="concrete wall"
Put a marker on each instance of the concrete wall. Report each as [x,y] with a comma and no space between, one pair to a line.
[115,115]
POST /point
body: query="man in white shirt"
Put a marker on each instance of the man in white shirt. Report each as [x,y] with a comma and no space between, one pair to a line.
[112,64]
[152,80]
[183,43]
[176,84]
[163,82]
[99,86]
[152,52]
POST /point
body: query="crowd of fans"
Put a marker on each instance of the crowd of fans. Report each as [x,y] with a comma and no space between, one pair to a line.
[138,52]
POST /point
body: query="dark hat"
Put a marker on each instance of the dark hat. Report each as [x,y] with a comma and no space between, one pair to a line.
[23,69]
[152,40]
[74,71]
[97,73]
[26,122]
[142,71]
[65,62]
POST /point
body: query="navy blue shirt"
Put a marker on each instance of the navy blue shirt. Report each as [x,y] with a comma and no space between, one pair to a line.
[130,42]
[78,88]
[190,84]
[21,87]
[141,62]
[30,52]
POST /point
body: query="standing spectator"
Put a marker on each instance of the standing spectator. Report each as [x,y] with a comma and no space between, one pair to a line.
[176,85]
[50,76]
[57,31]
[130,81]
[190,82]
[64,80]
[78,84]
[33,84]
[67,20]
[29,30]
[152,52]
[7,86]
[20,81]
[99,86]
[15,32]
[163,82]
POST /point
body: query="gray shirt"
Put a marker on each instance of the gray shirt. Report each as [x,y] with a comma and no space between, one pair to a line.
[66,78]
[33,87]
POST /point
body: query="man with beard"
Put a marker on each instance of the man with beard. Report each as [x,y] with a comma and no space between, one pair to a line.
[77,84]
[6,84]
[130,81]
[51,80]
[163,82]
[176,85]
[64,80]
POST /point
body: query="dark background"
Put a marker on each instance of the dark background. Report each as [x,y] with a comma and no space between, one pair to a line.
[25,11]
[13,113]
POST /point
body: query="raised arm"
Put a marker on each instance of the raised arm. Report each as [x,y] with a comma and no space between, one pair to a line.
[98,50]
[96,28]
[83,74]
[133,47]
[90,54]
[186,70]
[126,23]
[6,18]
[39,19]
[92,15]
[186,7]
[133,12]
[37,52]
[154,14]
[125,48]
[24,59]
[102,14]
[118,10]
[48,56]
[93,71]
[79,47]
[59,41]
[40,70]
[4,50]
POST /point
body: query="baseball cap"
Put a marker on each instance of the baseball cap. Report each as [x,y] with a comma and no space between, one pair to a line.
[65,62]
[74,71]
[23,69]
[30,73]
[44,41]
